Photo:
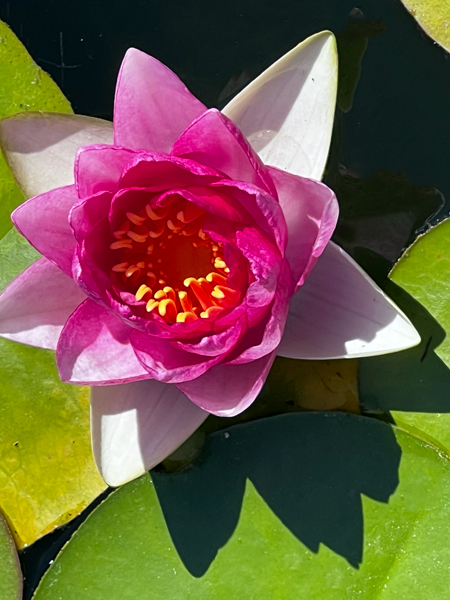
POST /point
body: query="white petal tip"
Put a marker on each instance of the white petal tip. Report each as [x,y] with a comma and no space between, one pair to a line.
[341,313]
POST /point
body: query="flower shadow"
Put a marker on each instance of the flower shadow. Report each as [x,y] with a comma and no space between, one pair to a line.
[310,469]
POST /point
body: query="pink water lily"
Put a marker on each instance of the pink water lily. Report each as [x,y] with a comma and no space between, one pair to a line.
[178,251]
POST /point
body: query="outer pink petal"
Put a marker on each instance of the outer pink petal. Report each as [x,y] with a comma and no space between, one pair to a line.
[166,362]
[137,425]
[226,390]
[94,348]
[311,211]
[35,306]
[215,141]
[44,221]
[152,106]
[88,213]
[99,168]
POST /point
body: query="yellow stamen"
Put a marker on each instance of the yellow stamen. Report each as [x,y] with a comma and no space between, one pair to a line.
[170,293]
[158,214]
[216,278]
[212,311]
[158,231]
[142,291]
[168,310]
[219,263]
[186,317]
[151,305]
[204,298]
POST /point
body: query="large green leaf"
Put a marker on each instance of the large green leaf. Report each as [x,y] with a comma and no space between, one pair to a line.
[10,575]
[24,86]
[434,18]
[47,472]
[414,385]
[311,505]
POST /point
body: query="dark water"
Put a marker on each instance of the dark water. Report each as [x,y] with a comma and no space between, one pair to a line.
[390,155]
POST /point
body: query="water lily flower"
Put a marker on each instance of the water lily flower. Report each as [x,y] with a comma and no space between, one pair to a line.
[178,250]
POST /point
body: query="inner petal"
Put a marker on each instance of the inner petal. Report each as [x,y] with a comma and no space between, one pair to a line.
[166,265]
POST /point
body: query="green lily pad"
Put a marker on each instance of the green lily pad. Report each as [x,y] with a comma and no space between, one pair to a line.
[254,518]
[47,472]
[413,385]
[10,574]
[24,87]
[433,16]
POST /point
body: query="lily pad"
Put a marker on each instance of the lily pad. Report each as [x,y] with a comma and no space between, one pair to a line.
[254,517]
[433,16]
[10,575]
[47,472]
[25,86]
[414,384]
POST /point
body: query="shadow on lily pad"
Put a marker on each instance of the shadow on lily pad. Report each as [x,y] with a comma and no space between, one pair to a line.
[415,380]
[310,469]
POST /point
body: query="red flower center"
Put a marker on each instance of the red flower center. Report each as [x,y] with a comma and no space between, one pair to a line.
[170,265]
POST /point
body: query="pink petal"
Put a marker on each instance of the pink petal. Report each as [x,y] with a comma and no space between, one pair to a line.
[341,313]
[35,306]
[152,106]
[99,168]
[266,336]
[311,211]
[44,221]
[165,361]
[226,390]
[86,214]
[215,141]
[40,147]
[137,425]
[94,348]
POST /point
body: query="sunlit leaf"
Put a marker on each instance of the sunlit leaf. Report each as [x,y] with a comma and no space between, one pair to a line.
[10,575]
[47,472]
[255,517]
[414,385]
[24,87]
[434,18]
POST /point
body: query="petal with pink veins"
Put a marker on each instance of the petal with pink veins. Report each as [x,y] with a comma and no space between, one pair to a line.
[94,348]
[160,105]
[35,306]
[215,141]
[44,221]
[311,211]
[136,426]
[287,113]
[226,390]
[341,313]
[40,147]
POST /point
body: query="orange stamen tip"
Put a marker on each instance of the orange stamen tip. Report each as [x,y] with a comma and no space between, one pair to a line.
[160,295]
[141,265]
[131,270]
[137,237]
[227,270]
[160,226]
[168,310]
[151,305]
[121,244]
[119,234]
[136,219]
[120,267]
[142,291]
[186,317]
